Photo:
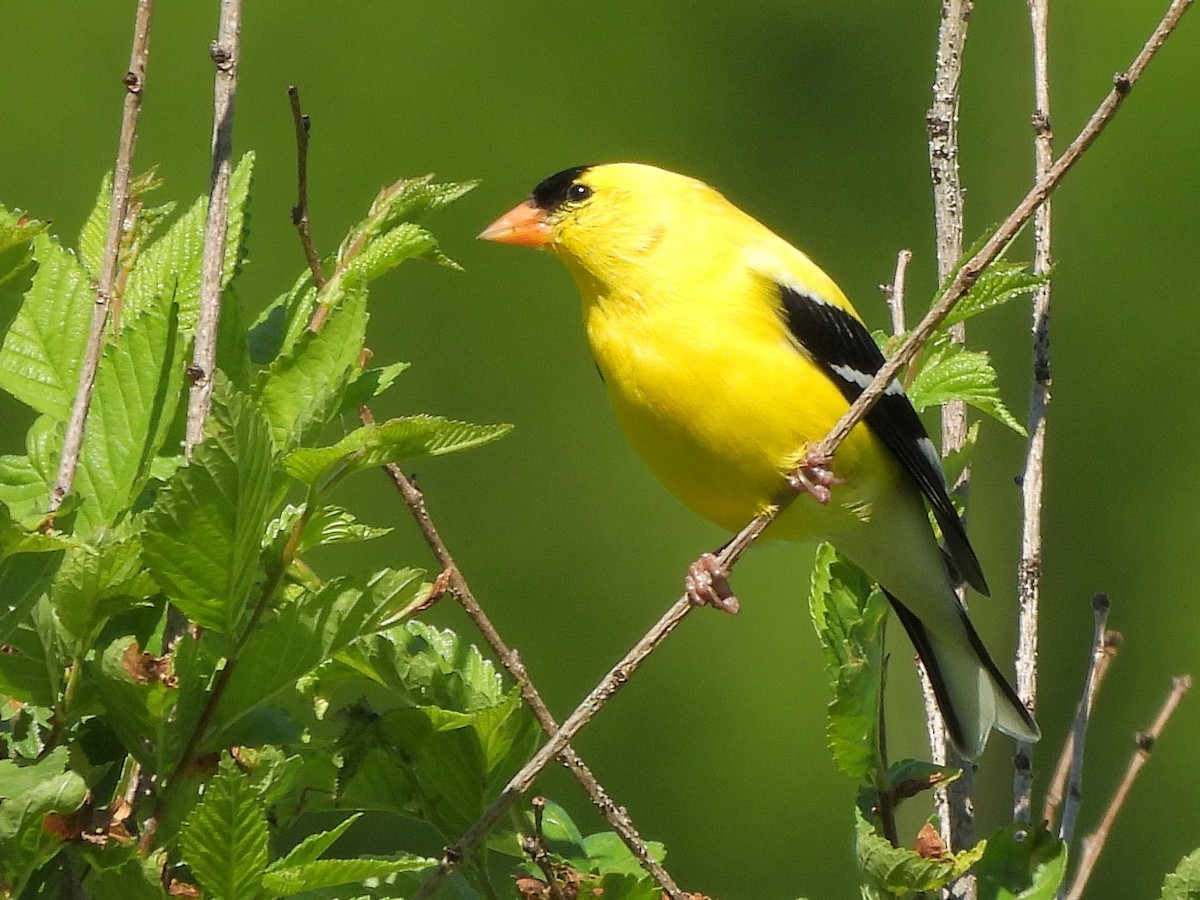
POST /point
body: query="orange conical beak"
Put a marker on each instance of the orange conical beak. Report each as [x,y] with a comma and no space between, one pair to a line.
[524,225]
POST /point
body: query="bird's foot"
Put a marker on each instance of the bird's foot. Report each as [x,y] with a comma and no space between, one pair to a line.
[707,584]
[814,477]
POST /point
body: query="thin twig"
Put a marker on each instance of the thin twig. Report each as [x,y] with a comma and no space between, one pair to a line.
[1144,743]
[1029,571]
[458,587]
[962,281]
[303,125]
[134,81]
[954,802]
[894,292]
[1066,828]
[225,51]
[1058,783]
[535,846]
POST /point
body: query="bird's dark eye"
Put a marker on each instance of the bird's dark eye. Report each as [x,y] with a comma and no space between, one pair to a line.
[577,192]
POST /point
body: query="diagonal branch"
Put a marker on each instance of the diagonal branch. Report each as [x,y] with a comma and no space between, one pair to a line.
[1066,827]
[1144,744]
[134,81]
[1029,572]
[225,52]
[966,276]
[457,585]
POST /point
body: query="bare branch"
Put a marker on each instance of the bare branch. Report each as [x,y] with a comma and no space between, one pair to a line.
[1058,783]
[1029,572]
[1066,829]
[966,276]
[953,802]
[535,846]
[134,81]
[894,292]
[300,210]
[1144,745]
[225,51]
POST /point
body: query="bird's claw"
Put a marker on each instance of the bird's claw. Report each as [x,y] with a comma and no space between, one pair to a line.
[707,584]
[814,477]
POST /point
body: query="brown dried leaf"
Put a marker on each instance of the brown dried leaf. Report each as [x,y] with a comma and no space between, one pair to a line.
[929,843]
[182,889]
[145,668]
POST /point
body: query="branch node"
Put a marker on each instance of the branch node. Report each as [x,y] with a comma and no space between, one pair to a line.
[1123,83]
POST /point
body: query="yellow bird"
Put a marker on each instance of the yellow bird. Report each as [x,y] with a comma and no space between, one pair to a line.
[727,353]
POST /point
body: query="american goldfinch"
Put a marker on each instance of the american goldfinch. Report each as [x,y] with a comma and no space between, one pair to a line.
[726,353]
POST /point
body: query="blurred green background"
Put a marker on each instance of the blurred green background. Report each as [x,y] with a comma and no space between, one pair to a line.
[811,116]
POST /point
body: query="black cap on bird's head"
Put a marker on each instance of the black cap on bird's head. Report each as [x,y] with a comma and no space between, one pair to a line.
[525,224]
[560,188]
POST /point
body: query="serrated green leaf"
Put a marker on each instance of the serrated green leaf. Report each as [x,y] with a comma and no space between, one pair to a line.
[224,840]
[314,846]
[327,525]
[388,250]
[850,615]
[948,372]
[1021,862]
[139,387]
[304,387]
[27,669]
[372,446]
[170,267]
[998,284]
[43,350]
[1184,882]
[900,872]
[309,631]
[49,787]
[96,581]
[22,489]
[284,881]
[203,534]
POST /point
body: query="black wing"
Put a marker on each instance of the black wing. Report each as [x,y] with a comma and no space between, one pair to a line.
[841,345]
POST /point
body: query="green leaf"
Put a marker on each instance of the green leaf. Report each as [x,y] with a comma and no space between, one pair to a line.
[371,383]
[22,489]
[419,665]
[138,702]
[850,615]
[948,372]
[28,560]
[314,846]
[43,350]
[225,838]
[309,631]
[999,283]
[304,387]
[1021,862]
[135,879]
[606,853]
[327,525]
[284,881]
[17,232]
[900,872]
[1184,882]
[204,533]
[372,446]
[31,793]
[97,581]
[170,267]
[140,386]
